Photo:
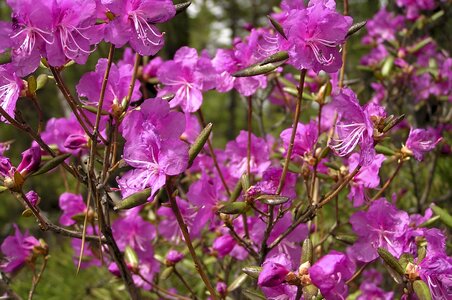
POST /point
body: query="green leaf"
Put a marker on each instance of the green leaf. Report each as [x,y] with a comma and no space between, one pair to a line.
[384,150]
[131,257]
[134,200]
[32,84]
[307,251]
[181,7]
[233,208]
[237,283]
[52,164]
[272,199]
[252,271]
[421,290]
[355,28]
[391,261]
[253,294]
[199,143]
[445,217]
[277,26]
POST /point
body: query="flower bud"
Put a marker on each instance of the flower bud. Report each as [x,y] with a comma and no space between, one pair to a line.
[222,288]
[33,198]
[173,257]
[272,274]
[31,159]
[76,141]
[224,245]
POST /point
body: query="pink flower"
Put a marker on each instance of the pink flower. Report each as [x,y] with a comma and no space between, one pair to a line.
[305,138]
[73,32]
[354,127]
[72,205]
[366,178]
[117,85]
[236,151]
[134,23]
[186,76]
[330,273]
[31,32]
[10,88]
[422,141]
[17,249]
[314,35]
[382,225]
[153,147]
[243,54]
[274,271]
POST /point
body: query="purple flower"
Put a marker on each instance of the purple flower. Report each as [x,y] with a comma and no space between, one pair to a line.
[229,61]
[305,138]
[222,288]
[382,27]
[421,141]
[314,35]
[223,245]
[414,6]
[134,23]
[186,76]
[10,88]
[381,226]
[236,151]
[118,85]
[153,147]
[33,197]
[436,271]
[366,178]
[330,273]
[369,287]
[150,70]
[17,250]
[72,205]
[74,32]
[31,160]
[173,257]
[204,194]
[64,132]
[133,231]
[31,32]
[270,181]
[274,271]
[168,226]
[354,127]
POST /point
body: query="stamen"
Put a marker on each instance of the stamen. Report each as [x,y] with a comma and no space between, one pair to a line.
[319,55]
[142,31]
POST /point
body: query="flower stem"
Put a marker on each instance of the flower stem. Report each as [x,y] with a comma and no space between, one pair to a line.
[213,155]
[294,131]
[389,181]
[344,52]
[37,278]
[187,239]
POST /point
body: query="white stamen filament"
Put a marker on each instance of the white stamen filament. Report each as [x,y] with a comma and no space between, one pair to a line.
[319,55]
[67,37]
[141,30]
[346,145]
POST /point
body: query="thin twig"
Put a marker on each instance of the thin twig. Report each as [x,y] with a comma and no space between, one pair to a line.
[37,278]
[213,155]
[344,52]
[187,239]
[294,131]
[389,181]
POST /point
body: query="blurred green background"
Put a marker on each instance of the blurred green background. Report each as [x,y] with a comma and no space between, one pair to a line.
[208,24]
